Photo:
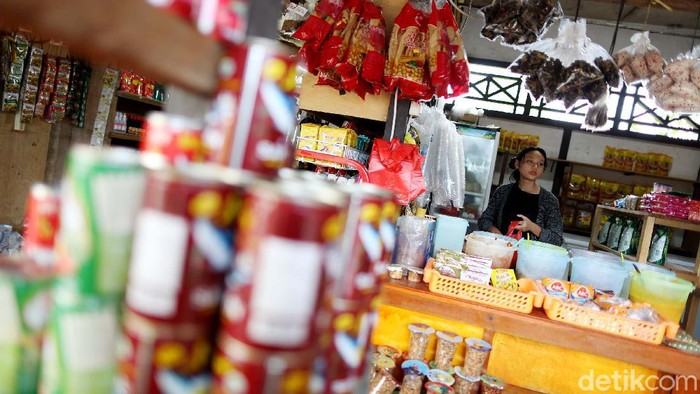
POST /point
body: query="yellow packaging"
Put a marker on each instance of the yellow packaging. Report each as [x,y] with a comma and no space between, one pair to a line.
[576,185]
[308,138]
[624,190]
[639,190]
[642,164]
[609,157]
[629,157]
[556,287]
[653,163]
[608,192]
[591,190]
[504,140]
[665,164]
[619,159]
[504,279]
[534,140]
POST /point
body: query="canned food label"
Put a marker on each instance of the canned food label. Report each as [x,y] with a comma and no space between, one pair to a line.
[285,293]
[10,329]
[158,262]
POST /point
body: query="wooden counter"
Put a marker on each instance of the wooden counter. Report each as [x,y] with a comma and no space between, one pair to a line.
[537,327]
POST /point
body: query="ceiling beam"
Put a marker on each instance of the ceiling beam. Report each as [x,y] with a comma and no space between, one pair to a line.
[677,5]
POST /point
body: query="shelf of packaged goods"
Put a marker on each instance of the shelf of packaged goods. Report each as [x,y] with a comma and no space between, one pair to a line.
[141,99]
[626,172]
[124,136]
[343,163]
[537,327]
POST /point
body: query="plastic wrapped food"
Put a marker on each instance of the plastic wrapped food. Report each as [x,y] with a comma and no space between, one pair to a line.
[439,51]
[518,22]
[315,30]
[659,245]
[465,384]
[570,68]
[491,385]
[382,383]
[447,343]
[406,57]
[675,90]
[459,66]
[477,352]
[396,271]
[639,61]
[420,337]
[415,274]
[411,384]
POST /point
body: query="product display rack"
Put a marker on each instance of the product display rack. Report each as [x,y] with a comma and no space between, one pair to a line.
[649,220]
[130,104]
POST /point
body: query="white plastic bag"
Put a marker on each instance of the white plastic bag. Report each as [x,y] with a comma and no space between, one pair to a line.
[677,89]
[639,61]
[519,22]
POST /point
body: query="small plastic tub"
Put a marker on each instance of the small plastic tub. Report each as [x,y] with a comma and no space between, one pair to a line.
[437,388]
[415,274]
[420,337]
[396,271]
[440,376]
[447,343]
[477,352]
[491,385]
[389,351]
[465,384]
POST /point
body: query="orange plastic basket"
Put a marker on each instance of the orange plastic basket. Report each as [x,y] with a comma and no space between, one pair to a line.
[518,301]
[606,322]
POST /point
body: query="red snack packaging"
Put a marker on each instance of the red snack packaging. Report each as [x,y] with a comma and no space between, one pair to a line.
[48,80]
[335,48]
[41,224]
[439,50]
[459,68]
[181,8]
[319,24]
[224,20]
[369,33]
[405,69]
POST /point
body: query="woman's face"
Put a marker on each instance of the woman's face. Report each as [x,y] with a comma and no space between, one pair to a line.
[532,166]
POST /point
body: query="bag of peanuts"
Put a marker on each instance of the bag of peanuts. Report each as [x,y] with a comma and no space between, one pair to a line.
[459,67]
[405,68]
[315,30]
[639,61]
[335,48]
[439,49]
[375,57]
[349,70]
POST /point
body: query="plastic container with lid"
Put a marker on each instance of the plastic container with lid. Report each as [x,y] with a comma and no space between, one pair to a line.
[389,351]
[438,388]
[666,293]
[420,337]
[642,267]
[446,348]
[477,352]
[537,260]
[440,376]
[491,384]
[600,274]
[465,384]
[499,248]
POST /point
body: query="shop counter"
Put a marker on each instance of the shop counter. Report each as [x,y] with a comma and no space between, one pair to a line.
[531,351]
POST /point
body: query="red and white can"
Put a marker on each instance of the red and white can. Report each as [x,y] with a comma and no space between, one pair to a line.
[241,369]
[288,233]
[183,243]
[41,224]
[356,285]
[176,138]
[254,110]
[155,357]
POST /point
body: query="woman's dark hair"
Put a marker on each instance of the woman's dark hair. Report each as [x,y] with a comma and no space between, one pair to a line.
[515,176]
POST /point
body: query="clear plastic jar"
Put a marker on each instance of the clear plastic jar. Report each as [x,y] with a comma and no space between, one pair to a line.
[477,352]
[381,382]
[411,384]
[447,343]
[464,384]
[420,337]
[491,385]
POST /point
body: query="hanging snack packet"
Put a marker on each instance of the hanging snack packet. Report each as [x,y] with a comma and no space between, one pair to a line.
[605,230]
[405,68]
[375,55]
[335,48]
[639,61]
[459,67]
[439,49]
[629,237]
[48,80]
[615,232]
[349,70]
[676,90]
[315,30]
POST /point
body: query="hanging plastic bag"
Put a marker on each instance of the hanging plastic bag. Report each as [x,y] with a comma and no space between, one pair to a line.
[375,57]
[639,61]
[335,48]
[570,68]
[397,167]
[406,58]
[519,22]
[677,89]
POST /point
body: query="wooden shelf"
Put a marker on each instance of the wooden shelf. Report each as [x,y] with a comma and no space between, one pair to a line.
[140,99]
[611,250]
[537,327]
[661,177]
[124,136]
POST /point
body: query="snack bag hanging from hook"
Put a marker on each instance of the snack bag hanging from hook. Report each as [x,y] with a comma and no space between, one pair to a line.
[639,61]
[315,30]
[439,49]
[459,66]
[519,22]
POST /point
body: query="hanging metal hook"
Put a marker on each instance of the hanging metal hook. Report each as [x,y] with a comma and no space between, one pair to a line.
[578,7]
[617,26]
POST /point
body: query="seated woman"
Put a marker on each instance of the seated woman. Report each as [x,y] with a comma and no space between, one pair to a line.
[535,209]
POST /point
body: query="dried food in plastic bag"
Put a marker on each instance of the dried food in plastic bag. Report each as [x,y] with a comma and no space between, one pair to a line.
[294,14]
[640,60]
[319,24]
[375,57]
[676,90]
[519,22]
[405,66]
[644,312]
[659,245]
